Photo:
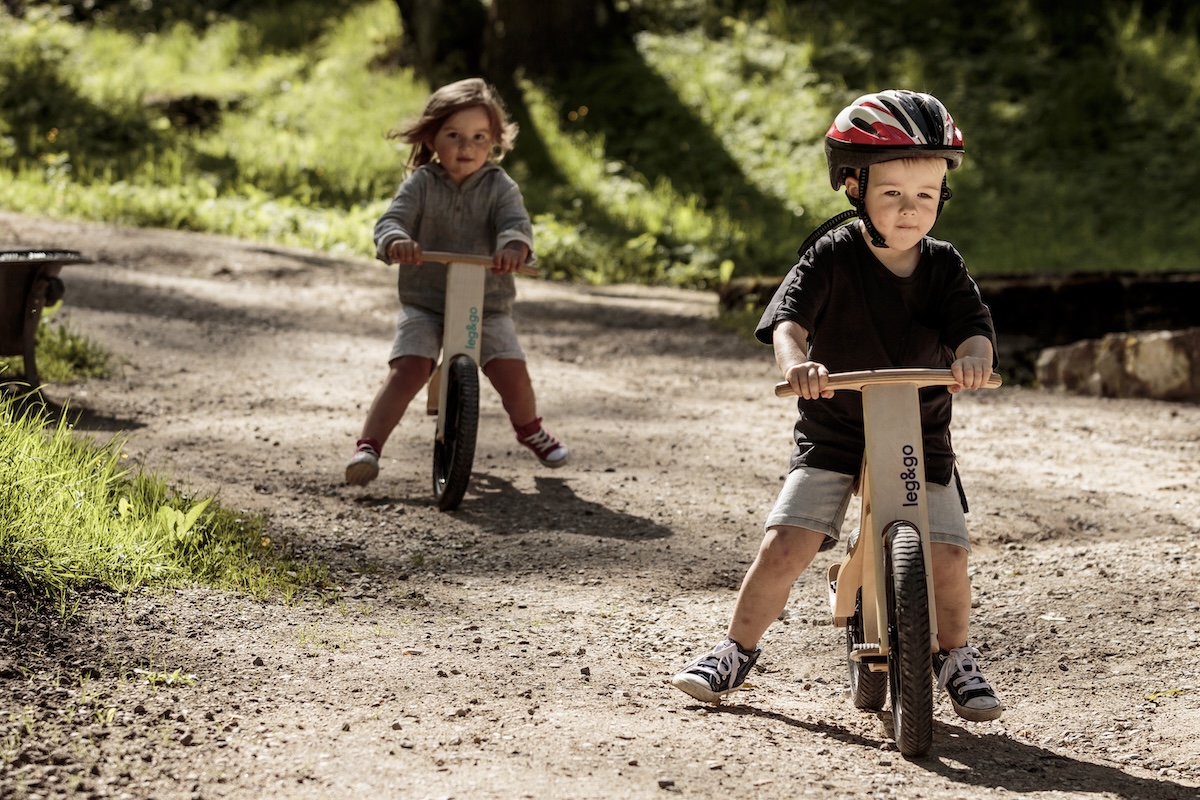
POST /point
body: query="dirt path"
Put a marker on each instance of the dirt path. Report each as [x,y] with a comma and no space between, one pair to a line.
[521,646]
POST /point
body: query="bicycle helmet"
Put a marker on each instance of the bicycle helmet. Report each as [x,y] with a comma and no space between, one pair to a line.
[885,126]
[888,125]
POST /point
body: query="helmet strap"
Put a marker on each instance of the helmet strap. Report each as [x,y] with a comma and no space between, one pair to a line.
[824,228]
[860,206]
[945,195]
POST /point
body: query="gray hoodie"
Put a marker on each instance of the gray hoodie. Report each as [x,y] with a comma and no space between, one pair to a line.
[479,217]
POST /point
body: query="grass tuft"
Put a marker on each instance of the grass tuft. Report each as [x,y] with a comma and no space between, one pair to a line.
[74,513]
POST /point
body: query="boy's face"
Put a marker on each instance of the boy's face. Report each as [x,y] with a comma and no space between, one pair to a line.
[902,198]
[464,142]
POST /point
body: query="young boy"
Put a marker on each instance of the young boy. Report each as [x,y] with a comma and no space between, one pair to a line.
[875,294]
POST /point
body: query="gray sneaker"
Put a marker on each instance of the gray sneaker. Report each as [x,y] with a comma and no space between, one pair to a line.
[714,675]
[971,695]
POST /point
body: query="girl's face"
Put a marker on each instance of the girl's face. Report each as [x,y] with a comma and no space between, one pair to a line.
[902,199]
[464,142]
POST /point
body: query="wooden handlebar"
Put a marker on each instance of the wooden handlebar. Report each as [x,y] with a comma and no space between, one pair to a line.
[445,257]
[855,381]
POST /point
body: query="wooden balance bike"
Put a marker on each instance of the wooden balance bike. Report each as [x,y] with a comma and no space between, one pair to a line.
[453,393]
[882,591]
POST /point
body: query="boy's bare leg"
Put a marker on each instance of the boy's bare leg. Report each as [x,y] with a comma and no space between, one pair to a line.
[955,666]
[952,594]
[785,552]
[511,379]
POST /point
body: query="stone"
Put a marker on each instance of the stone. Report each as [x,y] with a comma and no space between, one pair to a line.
[1158,365]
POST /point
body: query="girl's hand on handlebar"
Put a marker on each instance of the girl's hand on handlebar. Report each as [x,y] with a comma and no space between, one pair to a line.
[808,379]
[971,372]
[405,251]
[509,258]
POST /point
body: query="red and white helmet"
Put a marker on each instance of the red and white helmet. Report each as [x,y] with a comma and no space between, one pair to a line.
[887,125]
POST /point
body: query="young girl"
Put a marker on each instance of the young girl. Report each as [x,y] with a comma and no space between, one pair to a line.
[456,198]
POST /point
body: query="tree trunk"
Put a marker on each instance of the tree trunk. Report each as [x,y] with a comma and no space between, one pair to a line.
[450,39]
[444,38]
[543,36]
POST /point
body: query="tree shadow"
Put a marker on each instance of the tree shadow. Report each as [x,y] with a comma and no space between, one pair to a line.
[646,125]
[992,760]
[26,403]
[36,99]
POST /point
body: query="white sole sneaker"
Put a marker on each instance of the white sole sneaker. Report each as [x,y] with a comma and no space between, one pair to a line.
[362,469]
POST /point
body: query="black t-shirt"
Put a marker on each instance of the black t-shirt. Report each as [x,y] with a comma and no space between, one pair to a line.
[861,316]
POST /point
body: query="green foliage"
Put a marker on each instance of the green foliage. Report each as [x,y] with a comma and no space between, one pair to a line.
[46,111]
[694,152]
[1077,153]
[72,514]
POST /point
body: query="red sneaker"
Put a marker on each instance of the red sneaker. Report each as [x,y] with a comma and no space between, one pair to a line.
[545,445]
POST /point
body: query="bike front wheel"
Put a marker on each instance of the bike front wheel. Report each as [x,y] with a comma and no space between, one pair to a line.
[454,453]
[910,675]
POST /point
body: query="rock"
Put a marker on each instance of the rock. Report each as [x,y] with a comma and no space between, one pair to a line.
[1159,365]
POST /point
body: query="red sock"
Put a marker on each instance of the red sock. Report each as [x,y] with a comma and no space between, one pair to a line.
[529,428]
[373,443]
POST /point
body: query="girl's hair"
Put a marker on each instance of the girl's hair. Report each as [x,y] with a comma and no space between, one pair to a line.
[448,101]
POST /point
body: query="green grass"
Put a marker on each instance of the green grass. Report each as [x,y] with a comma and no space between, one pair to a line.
[74,513]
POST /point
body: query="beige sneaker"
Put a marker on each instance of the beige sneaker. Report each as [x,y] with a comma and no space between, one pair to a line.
[364,466]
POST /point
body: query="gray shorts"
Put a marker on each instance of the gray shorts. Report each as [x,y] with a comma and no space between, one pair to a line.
[419,333]
[817,499]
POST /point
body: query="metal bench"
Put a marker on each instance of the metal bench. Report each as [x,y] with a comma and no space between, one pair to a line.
[28,283]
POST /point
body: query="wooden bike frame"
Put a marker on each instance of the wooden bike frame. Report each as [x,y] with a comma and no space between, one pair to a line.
[892,486]
[462,331]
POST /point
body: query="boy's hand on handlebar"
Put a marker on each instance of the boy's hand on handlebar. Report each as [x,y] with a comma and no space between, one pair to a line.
[808,379]
[405,251]
[509,258]
[971,372]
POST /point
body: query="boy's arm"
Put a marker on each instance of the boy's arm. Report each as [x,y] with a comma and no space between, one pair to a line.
[807,378]
[972,364]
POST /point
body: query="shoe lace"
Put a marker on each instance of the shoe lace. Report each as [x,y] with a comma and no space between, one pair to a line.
[541,440]
[961,669]
[722,661]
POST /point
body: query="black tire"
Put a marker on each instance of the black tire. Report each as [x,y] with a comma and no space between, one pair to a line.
[868,689]
[454,455]
[909,673]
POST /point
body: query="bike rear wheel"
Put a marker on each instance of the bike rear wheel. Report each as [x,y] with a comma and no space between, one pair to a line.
[868,689]
[910,675]
[454,453]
